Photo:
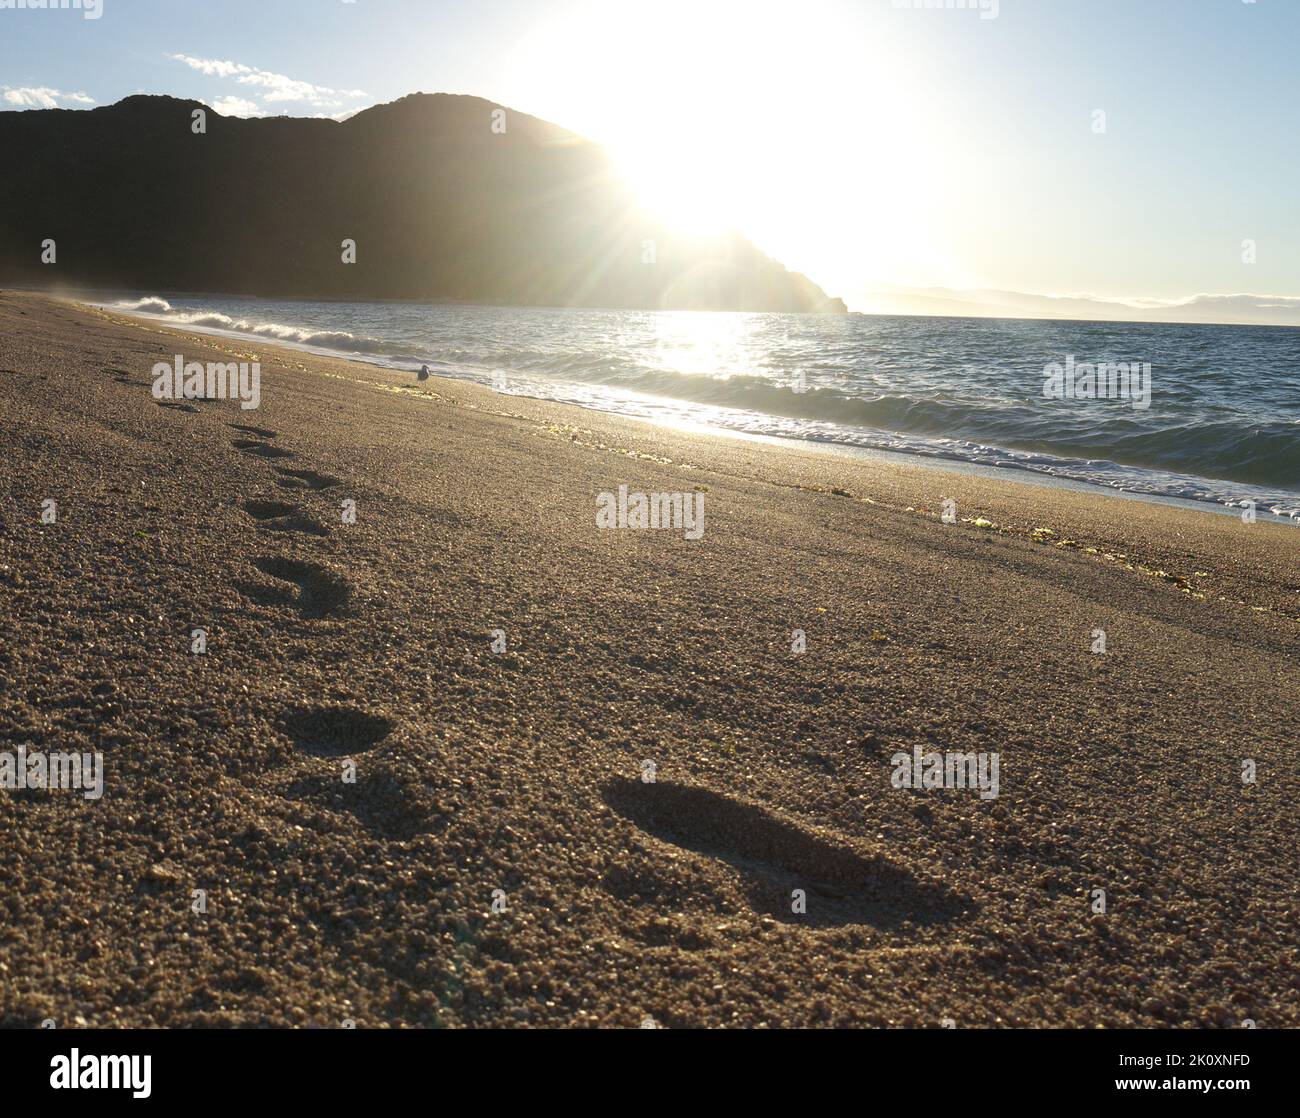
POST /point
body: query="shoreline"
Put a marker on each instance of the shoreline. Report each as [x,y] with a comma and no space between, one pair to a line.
[499,668]
[951,472]
[937,459]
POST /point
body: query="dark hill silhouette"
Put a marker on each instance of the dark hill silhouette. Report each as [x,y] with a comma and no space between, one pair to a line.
[441,208]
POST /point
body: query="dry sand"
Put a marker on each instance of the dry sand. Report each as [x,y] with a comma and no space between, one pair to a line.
[520,771]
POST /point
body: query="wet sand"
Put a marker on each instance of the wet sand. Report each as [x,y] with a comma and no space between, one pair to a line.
[489,780]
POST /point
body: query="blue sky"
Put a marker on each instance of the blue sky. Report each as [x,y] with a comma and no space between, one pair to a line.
[866,144]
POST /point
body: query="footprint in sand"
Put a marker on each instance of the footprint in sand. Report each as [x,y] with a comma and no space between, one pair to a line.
[321,592]
[280,516]
[305,479]
[775,856]
[261,449]
[335,731]
[386,805]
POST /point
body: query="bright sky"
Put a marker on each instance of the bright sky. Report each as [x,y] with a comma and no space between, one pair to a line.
[862,143]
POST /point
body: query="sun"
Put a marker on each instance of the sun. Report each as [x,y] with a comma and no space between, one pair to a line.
[677,185]
[783,124]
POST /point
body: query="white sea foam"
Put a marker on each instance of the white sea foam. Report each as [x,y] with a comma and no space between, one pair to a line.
[216,320]
[150,303]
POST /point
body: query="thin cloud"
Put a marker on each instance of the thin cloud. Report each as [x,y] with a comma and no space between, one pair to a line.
[276,88]
[236,106]
[41,97]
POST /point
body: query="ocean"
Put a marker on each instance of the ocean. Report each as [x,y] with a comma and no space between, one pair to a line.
[1196,412]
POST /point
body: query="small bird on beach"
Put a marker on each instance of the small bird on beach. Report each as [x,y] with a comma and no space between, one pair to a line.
[423,374]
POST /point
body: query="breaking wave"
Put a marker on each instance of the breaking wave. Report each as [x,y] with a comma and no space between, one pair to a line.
[340,340]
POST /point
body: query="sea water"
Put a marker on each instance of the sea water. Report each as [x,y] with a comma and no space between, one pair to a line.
[1218,419]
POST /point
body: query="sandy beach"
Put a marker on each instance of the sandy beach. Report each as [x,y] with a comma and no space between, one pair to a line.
[496,671]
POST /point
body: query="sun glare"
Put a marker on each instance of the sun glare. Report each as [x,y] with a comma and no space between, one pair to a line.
[763,119]
[670,182]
